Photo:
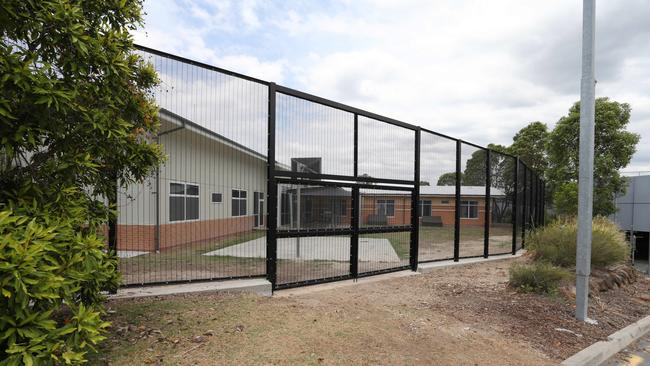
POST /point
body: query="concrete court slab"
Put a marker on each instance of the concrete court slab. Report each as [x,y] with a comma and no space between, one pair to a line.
[129,253]
[336,248]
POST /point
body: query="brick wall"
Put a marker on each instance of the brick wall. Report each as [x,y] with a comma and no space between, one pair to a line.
[142,237]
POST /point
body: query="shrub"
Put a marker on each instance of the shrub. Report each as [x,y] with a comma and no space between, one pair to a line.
[538,277]
[556,243]
[52,269]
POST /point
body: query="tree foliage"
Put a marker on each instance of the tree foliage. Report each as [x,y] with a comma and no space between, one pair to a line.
[448,179]
[614,148]
[77,120]
[502,177]
[529,144]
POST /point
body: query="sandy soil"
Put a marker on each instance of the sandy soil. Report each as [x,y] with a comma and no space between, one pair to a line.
[461,315]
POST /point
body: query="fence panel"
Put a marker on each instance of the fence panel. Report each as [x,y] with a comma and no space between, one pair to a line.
[385,151]
[201,214]
[437,196]
[521,189]
[472,201]
[313,138]
[502,191]
[384,210]
[313,217]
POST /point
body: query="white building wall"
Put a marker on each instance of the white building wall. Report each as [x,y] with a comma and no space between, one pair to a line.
[198,159]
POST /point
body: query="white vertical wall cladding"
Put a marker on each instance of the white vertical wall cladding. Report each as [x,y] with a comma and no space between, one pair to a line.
[215,167]
[199,159]
[137,203]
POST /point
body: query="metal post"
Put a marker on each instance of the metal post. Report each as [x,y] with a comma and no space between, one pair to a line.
[298,214]
[457,217]
[543,203]
[157,232]
[356,205]
[533,199]
[272,189]
[586,164]
[524,208]
[356,145]
[354,238]
[112,225]
[415,206]
[538,215]
[486,224]
[515,217]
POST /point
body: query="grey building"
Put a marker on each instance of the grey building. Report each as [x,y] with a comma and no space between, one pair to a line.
[633,212]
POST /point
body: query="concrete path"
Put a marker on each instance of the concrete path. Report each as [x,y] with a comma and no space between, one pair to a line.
[336,248]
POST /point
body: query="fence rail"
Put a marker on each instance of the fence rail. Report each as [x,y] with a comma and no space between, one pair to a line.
[264,180]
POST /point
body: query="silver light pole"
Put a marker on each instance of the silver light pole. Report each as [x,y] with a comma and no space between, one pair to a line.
[586,175]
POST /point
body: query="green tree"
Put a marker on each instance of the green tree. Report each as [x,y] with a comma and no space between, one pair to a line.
[474,173]
[529,144]
[614,147]
[77,121]
[448,179]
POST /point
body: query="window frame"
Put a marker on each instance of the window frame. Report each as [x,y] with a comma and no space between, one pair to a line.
[384,202]
[245,199]
[185,196]
[212,198]
[465,208]
[421,207]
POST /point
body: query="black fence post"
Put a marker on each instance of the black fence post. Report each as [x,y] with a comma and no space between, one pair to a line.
[524,209]
[515,208]
[457,216]
[356,145]
[356,198]
[537,200]
[543,203]
[354,238]
[272,189]
[415,207]
[112,225]
[533,200]
[488,184]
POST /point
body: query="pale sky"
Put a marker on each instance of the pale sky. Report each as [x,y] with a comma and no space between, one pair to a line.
[476,70]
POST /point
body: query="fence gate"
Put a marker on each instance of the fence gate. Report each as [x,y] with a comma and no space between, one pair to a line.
[342,191]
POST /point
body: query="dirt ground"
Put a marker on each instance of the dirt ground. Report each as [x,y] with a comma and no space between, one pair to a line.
[460,315]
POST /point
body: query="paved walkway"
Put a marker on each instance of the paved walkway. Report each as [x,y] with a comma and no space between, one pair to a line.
[336,248]
[637,354]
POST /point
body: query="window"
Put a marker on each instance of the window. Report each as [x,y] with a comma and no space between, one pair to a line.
[183,202]
[425,208]
[217,198]
[386,207]
[469,209]
[444,202]
[238,202]
[342,208]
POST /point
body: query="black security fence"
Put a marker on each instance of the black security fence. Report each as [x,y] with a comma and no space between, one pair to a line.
[263,180]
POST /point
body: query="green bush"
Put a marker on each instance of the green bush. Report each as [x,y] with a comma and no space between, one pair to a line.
[556,243]
[52,271]
[538,277]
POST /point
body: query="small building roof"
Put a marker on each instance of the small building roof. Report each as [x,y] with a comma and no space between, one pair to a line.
[441,191]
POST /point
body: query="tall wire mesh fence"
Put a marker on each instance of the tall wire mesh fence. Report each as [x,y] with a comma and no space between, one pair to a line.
[263,180]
